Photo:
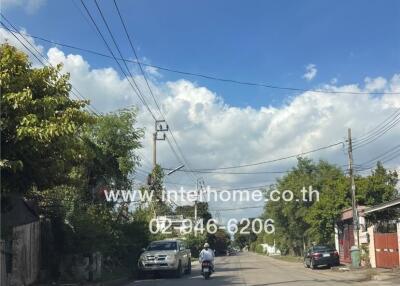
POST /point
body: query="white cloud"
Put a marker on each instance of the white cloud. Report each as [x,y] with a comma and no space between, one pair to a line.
[30,6]
[212,133]
[28,43]
[153,71]
[375,84]
[311,72]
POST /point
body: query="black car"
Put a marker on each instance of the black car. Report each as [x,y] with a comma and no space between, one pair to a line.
[321,255]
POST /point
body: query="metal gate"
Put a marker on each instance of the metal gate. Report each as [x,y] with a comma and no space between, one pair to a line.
[386,250]
[346,241]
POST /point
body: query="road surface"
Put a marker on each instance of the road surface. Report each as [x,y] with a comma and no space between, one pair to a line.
[249,269]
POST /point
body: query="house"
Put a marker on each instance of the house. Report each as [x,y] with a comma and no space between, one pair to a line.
[345,234]
[383,223]
[378,237]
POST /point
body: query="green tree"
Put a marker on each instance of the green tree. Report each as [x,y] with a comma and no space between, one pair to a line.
[378,187]
[39,124]
[244,237]
[110,147]
[300,223]
[219,241]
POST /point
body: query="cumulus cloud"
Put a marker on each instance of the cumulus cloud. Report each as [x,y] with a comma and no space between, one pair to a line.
[213,134]
[375,84]
[311,72]
[153,71]
[28,42]
[30,6]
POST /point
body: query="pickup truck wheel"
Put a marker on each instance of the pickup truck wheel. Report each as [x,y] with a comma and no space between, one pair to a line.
[189,267]
[178,273]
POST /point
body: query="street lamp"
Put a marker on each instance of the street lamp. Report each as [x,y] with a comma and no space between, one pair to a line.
[176,169]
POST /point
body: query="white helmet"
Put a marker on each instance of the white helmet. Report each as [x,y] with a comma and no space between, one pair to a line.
[206,245]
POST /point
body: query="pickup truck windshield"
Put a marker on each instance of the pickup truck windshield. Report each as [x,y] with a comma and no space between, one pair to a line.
[162,246]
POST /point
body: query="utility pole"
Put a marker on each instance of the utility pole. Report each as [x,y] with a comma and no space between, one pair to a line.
[353,191]
[154,149]
[158,127]
[198,188]
[195,203]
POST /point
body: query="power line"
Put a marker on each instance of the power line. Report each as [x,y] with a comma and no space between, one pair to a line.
[73,90]
[377,134]
[229,173]
[273,160]
[147,83]
[138,91]
[385,157]
[378,127]
[381,155]
[115,59]
[209,77]
[134,52]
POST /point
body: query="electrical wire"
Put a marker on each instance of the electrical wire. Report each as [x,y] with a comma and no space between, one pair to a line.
[272,160]
[206,76]
[120,53]
[115,59]
[74,90]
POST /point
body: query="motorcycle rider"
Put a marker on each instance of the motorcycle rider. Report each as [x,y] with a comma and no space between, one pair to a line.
[207,254]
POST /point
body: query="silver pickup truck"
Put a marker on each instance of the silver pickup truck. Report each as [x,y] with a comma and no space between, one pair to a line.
[166,256]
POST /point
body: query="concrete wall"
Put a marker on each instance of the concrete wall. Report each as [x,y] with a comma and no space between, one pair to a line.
[371,247]
[337,238]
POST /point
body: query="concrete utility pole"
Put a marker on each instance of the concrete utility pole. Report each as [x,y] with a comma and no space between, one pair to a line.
[154,149]
[198,188]
[353,191]
[158,127]
[195,203]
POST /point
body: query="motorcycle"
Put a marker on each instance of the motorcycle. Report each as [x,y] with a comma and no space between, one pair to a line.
[206,269]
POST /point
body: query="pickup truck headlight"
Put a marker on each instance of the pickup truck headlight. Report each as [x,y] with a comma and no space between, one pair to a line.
[170,258]
[143,257]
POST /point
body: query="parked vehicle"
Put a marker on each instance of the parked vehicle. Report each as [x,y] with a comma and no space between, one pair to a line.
[166,256]
[206,269]
[321,255]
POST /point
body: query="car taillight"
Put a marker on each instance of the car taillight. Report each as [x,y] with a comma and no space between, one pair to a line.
[317,255]
[335,253]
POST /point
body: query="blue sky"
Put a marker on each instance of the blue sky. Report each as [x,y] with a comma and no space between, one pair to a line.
[272,42]
[259,41]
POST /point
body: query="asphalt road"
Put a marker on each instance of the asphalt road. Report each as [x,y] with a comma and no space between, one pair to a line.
[250,269]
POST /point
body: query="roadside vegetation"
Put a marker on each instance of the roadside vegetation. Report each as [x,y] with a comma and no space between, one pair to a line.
[299,224]
[61,157]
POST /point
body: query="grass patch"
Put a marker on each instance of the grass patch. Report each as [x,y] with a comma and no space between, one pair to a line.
[289,258]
